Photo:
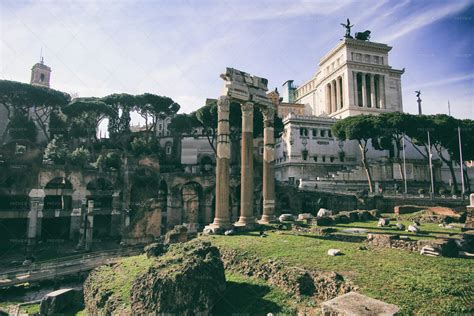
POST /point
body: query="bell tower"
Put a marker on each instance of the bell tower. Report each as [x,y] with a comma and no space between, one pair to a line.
[40,74]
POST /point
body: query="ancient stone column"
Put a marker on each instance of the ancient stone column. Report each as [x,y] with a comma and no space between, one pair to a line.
[372,91]
[338,94]
[333,96]
[268,193]
[364,91]
[246,218]
[222,214]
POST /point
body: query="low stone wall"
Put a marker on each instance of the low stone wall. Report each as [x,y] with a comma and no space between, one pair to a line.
[346,217]
[446,247]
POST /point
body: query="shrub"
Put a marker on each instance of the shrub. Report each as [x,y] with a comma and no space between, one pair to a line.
[21,127]
[80,156]
[109,160]
[57,151]
[140,146]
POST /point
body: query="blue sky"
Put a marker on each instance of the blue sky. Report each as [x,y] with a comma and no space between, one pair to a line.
[179,48]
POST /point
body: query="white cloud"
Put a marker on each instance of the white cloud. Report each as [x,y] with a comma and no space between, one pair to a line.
[421,19]
[443,82]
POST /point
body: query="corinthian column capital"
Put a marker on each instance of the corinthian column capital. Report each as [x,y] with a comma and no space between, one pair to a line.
[268,115]
[247,109]
[223,104]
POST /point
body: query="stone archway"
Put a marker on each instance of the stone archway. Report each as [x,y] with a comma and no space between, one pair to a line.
[58,195]
[56,221]
[101,196]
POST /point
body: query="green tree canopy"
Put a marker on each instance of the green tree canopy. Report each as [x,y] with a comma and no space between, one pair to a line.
[18,97]
[360,128]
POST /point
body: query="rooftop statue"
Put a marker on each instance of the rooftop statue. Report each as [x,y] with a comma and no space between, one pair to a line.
[363,36]
[348,28]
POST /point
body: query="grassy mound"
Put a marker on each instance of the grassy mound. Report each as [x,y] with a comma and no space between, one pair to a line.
[418,284]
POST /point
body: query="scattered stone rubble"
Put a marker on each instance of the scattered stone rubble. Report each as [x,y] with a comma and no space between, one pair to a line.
[61,301]
[442,246]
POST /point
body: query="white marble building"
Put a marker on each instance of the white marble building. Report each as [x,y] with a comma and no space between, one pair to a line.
[353,78]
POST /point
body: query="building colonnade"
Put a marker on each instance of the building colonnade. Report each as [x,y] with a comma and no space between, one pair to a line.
[334,95]
[367,90]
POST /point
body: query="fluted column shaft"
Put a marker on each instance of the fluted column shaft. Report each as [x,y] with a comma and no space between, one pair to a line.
[246,177]
[222,213]
[268,167]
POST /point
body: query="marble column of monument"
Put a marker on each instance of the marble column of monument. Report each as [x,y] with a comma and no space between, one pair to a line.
[246,219]
[333,96]
[364,91]
[222,214]
[338,94]
[372,92]
[382,91]
[356,90]
[268,187]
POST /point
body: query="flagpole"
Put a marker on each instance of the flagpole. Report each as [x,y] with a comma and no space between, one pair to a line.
[404,164]
[461,162]
[431,165]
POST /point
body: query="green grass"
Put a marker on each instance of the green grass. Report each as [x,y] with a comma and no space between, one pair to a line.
[427,230]
[244,295]
[418,284]
[119,279]
[30,309]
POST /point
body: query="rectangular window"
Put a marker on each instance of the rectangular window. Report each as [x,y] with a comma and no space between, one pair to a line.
[315,132]
[331,159]
[323,133]
[329,133]
[324,158]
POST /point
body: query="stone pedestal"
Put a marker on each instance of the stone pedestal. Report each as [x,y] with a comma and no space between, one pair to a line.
[246,219]
[357,304]
[222,214]
[268,193]
[35,215]
[89,225]
[469,225]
